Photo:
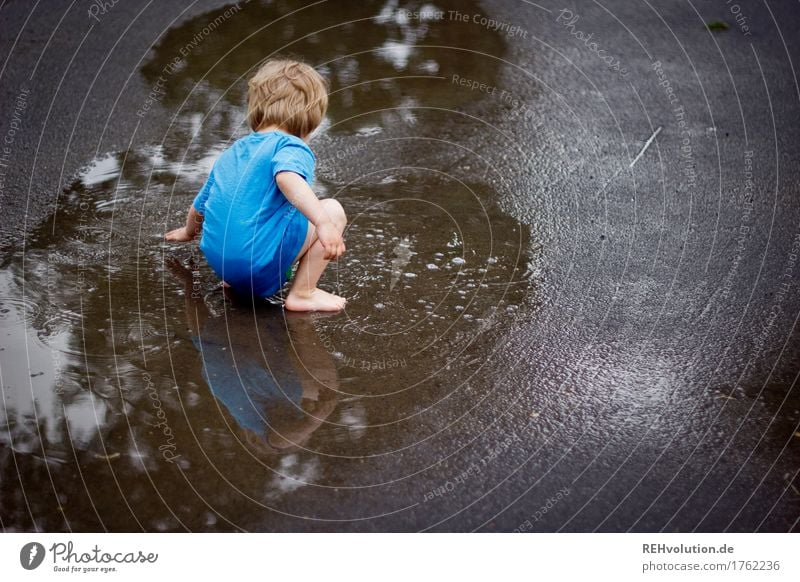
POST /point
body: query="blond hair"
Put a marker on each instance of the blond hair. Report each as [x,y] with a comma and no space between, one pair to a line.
[288,94]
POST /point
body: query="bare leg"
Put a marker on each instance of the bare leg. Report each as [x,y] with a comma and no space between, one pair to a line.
[304,295]
[318,377]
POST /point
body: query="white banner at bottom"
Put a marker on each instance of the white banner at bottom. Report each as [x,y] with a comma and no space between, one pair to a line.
[356,557]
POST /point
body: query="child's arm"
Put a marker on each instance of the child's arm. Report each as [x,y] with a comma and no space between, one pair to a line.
[194,226]
[302,197]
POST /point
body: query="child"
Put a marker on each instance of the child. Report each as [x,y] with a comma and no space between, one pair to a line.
[256,212]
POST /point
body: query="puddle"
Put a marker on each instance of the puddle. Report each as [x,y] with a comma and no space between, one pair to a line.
[383,66]
[147,390]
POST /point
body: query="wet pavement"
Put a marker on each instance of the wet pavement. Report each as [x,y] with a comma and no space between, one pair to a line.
[571,274]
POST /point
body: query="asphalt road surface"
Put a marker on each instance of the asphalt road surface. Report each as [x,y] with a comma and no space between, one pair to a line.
[639,163]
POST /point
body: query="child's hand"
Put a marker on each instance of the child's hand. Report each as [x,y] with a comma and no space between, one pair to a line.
[180,235]
[331,240]
[192,229]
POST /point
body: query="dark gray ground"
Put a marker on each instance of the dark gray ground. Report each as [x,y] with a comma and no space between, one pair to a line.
[647,382]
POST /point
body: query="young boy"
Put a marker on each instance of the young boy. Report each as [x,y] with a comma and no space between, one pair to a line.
[256,212]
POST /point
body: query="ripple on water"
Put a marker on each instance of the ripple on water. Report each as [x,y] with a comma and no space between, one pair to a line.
[17,310]
[426,269]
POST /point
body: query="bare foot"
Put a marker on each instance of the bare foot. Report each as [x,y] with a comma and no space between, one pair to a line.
[319,300]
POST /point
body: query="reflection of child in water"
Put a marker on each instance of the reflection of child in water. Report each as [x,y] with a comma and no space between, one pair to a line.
[279,387]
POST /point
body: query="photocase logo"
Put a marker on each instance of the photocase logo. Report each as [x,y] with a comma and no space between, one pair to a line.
[31,555]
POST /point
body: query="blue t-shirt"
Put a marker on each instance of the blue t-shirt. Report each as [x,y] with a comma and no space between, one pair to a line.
[251,232]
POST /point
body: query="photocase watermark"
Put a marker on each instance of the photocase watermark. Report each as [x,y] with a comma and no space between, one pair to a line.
[158,89]
[744,225]
[342,153]
[369,365]
[349,151]
[196,274]
[551,502]
[508,29]
[503,445]
[98,8]
[495,451]
[473,85]
[84,234]
[14,125]
[168,448]
[450,485]
[431,13]
[686,155]
[738,15]
[508,98]
[568,20]
[66,559]
[786,279]
[31,555]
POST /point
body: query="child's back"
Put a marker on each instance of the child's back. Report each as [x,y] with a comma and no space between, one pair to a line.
[251,232]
